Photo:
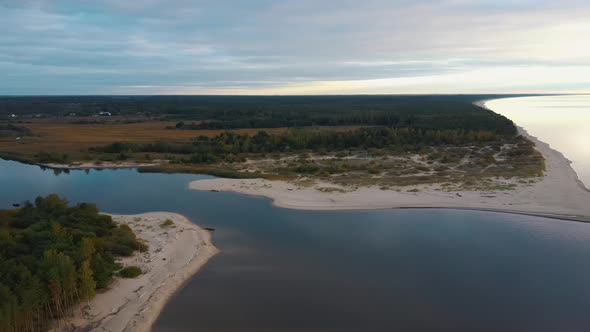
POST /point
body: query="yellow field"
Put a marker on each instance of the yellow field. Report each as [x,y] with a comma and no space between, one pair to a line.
[63,137]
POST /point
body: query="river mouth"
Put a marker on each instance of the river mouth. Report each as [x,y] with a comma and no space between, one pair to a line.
[289,270]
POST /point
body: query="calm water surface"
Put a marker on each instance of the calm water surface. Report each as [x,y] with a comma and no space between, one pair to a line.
[402,270]
[560,121]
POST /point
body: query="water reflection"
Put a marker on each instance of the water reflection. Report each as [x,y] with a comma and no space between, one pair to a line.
[560,121]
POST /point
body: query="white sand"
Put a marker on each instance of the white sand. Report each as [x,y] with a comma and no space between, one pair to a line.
[559,193]
[175,254]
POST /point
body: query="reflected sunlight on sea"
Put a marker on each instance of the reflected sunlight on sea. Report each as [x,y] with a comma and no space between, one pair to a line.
[560,121]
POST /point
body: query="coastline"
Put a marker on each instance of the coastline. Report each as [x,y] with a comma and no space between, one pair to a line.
[175,254]
[522,131]
[94,165]
[82,165]
[559,194]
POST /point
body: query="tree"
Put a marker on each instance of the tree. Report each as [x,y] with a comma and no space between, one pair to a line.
[8,307]
[52,256]
[86,283]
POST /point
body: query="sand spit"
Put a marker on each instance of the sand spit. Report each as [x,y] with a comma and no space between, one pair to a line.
[99,165]
[175,254]
[558,194]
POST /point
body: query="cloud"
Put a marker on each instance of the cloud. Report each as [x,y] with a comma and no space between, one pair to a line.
[292,46]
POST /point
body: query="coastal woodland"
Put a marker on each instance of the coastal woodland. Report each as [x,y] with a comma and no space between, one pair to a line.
[385,141]
[53,258]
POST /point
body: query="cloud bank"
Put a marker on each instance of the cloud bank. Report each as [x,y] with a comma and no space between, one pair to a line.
[293,46]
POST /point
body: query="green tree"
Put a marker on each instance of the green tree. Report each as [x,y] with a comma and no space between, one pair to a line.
[52,256]
[87,285]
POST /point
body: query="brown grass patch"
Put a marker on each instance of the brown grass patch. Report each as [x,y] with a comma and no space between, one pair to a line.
[61,136]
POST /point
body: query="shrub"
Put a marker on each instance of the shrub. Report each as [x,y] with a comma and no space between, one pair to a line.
[167,223]
[130,272]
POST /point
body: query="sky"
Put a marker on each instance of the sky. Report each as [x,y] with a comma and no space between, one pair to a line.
[279,47]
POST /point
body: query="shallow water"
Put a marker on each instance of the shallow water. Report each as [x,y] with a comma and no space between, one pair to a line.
[560,121]
[406,270]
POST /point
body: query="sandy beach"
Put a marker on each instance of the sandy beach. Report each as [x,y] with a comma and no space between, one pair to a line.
[175,254]
[558,194]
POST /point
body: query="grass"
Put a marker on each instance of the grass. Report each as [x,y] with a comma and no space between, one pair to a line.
[167,223]
[331,190]
[198,169]
[60,136]
[477,167]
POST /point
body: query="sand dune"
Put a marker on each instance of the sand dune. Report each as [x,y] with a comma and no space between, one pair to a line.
[559,193]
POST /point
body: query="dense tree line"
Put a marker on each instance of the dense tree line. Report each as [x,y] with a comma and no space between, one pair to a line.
[52,256]
[230,112]
[412,114]
[210,149]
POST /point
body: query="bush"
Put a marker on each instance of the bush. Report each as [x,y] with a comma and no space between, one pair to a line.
[167,223]
[130,272]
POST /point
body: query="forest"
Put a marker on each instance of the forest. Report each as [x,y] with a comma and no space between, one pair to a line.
[229,145]
[438,112]
[54,256]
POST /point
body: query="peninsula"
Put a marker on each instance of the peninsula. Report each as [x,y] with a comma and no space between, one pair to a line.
[71,268]
[557,193]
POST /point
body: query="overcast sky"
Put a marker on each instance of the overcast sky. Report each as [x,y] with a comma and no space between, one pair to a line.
[293,46]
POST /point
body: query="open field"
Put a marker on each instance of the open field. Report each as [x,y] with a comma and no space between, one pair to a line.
[61,136]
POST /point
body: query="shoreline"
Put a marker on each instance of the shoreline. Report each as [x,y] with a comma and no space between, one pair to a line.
[175,254]
[94,165]
[79,165]
[559,194]
[522,131]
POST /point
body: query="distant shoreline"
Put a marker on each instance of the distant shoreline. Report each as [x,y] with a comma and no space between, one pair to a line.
[482,104]
[98,165]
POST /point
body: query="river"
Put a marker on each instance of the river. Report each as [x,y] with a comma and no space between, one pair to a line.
[288,270]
